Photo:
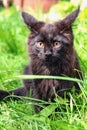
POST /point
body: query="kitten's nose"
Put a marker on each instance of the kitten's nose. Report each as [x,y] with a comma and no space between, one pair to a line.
[48,53]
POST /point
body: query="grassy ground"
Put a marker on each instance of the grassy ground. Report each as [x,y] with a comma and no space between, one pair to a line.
[19,115]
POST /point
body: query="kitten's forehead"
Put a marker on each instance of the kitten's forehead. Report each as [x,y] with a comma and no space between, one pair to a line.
[49,30]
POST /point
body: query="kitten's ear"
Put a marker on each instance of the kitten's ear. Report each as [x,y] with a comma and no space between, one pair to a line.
[31,22]
[71,17]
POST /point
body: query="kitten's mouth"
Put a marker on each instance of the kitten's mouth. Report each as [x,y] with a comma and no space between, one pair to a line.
[48,60]
[51,60]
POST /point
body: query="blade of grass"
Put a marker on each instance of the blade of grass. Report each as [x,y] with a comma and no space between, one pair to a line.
[48,77]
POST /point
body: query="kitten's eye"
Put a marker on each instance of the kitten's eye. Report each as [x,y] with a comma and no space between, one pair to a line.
[56,44]
[40,44]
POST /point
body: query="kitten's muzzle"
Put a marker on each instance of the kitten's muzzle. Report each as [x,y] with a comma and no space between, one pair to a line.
[48,56]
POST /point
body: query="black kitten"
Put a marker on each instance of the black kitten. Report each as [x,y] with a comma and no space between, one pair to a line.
[52,53]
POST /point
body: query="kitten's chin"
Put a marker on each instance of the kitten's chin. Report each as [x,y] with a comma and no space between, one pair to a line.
[51,61]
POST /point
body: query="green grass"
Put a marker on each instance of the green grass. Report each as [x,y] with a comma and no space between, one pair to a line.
[20,115]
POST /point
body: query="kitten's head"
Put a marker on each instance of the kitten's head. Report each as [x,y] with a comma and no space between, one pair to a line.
[50,41]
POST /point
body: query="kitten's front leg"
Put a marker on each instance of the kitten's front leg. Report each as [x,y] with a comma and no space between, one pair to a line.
[3,94]
[28,83]
[22,91]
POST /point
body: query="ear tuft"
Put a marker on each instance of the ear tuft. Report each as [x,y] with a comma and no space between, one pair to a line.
[31,22]
[28,19]
[71,17]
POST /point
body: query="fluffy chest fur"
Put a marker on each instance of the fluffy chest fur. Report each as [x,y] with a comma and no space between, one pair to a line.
[46,88]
